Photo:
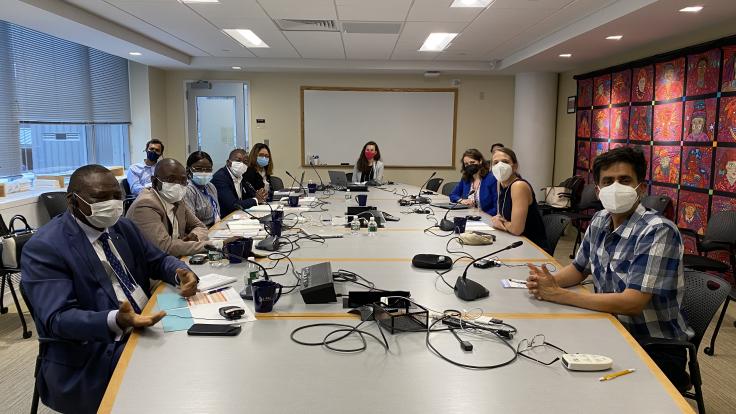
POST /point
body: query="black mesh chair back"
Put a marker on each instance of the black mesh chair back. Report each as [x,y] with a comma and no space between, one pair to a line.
[704,295]
[658,203]
[448,187]
[126,186]
[54,202]
[554,226]
[721,227]
[277,183]
[588,198]
[434,184]
[575,184]
[349,177]
[3,227]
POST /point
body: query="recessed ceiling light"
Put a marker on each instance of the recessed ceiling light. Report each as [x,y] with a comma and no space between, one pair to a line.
[199,1]
[565,55]
[437,42]
[691,9]
[135,53]
[471,3]
[617,37]
[246,37]
[237,67]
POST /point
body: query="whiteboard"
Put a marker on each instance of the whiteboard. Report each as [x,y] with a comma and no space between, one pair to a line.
[412,127]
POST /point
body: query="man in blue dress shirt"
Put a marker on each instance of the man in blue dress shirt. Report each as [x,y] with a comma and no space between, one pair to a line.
[139,175]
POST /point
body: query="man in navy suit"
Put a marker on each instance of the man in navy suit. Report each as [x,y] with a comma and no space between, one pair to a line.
[86,275]
[234,193]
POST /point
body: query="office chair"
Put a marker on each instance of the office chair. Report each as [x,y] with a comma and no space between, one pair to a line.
[127,193]
[661,204]
[277,183]
[349,176]
[580,215]
[554,227]
[448,187]
[434,184]
[720,235]
[575,186]
[6,276]
[54,203]
[39,357]
[704,294]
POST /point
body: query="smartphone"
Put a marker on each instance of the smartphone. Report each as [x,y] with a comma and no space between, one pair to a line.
[484,264]
[473,218]
[206,329]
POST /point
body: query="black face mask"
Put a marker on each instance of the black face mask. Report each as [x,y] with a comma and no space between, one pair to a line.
[471,169]
[152,156]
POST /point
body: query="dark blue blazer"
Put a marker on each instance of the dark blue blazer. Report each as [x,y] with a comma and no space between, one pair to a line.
[227,196]
[71,295]
[488,193]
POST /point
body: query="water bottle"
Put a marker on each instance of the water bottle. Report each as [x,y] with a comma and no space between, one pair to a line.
[355,225]
[372,227]
[348,197]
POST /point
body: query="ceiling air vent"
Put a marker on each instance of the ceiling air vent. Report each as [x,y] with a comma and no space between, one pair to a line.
[296,25]
[371,27]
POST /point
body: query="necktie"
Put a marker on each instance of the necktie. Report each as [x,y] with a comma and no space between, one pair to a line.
[126,281]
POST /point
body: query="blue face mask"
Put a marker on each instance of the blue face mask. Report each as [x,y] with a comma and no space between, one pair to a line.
[201,178]
[262,161]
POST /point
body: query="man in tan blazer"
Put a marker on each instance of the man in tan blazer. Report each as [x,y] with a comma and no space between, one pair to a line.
[164,218]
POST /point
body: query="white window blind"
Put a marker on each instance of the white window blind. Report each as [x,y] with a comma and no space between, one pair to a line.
[47,80]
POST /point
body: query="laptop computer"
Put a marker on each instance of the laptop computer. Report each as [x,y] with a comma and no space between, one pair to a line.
[450,206]
[338,178]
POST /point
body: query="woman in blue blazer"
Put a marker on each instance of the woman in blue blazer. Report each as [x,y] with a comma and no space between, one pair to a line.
[477,187]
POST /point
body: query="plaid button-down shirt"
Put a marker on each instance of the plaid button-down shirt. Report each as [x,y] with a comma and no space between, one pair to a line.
[645,254]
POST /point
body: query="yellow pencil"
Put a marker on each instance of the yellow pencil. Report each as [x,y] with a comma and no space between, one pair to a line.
[616,375]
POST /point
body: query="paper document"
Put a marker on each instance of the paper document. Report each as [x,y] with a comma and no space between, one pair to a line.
[224,234]
[213,280]
[266,208]
[203,307]
[513,283]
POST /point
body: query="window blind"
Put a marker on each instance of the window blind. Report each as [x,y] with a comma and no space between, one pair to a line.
[9,129]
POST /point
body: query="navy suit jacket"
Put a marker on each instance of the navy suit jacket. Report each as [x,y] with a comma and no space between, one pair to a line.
[488,193]
[226,194]
[71,295]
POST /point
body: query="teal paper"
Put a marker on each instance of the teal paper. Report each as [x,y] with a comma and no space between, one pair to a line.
[181,322]
[166,301]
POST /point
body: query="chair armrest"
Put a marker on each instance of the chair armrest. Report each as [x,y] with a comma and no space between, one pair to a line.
[652,343]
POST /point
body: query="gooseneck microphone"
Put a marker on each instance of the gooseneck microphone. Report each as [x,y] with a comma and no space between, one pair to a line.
[469,290]
[294,180]
[447,225]
[235,256]
[424,200]
[321,183]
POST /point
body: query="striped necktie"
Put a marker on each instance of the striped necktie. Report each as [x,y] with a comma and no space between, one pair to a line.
[127,283]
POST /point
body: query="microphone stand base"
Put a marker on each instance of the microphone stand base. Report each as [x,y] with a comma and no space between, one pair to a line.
[469,290]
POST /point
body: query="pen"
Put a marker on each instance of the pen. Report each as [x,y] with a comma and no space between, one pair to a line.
[616,374]
[523,282]
[217,290]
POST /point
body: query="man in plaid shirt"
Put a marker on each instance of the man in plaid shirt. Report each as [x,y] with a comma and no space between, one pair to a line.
[635,258]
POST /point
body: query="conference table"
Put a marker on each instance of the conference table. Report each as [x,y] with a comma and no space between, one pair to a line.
[263,370]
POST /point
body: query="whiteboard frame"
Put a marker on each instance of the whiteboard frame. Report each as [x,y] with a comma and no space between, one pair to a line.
[454,91]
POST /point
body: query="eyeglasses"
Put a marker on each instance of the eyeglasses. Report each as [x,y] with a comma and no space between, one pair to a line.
[536,342]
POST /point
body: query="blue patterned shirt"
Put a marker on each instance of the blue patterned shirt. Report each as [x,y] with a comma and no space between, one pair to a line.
[139,177]
[644,253]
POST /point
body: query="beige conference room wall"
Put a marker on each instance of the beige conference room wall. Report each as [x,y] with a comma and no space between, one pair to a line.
[484,113]
[565,133]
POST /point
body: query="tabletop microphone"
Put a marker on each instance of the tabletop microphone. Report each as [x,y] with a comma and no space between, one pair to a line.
[293,178]
[424,200]
[469,290]
[321,183]
[447,225]
[235,256]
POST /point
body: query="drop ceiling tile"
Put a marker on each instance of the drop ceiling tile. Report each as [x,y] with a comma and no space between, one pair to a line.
[317,45]
[301,9]
[279,46]
[229,9]
[373,10]
[440,11]
[497,26]
[369,46]
[531,4]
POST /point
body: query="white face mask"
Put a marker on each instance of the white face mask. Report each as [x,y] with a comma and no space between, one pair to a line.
[238,168]
[172,193]
[103,214]
[502,171]
[201,178]
[618,198]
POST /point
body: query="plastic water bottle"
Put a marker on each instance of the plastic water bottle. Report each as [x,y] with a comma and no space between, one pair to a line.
[372,227]
[355,226]
[348,197]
